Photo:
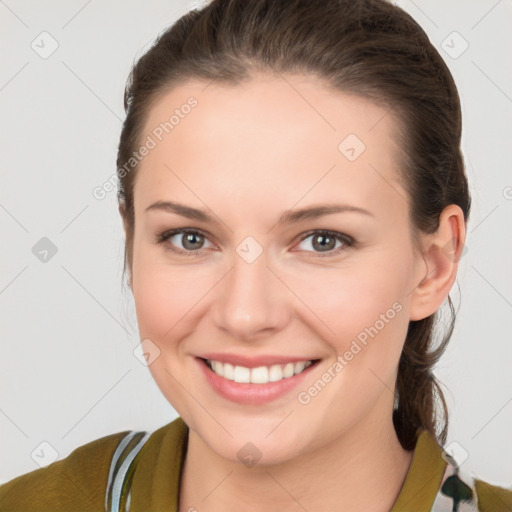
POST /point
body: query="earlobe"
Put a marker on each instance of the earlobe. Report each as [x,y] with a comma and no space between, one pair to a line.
[122,212]
[441,256]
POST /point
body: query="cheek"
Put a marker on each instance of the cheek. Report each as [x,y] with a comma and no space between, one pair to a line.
[167,297]
[348,300]
[362,312]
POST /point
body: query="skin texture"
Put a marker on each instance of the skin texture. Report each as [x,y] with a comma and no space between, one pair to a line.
[246,154]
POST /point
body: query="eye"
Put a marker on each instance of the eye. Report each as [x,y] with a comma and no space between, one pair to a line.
[191,240]
[324,241]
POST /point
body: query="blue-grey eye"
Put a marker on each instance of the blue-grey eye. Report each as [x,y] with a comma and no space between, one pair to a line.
[322,241]
[184,240]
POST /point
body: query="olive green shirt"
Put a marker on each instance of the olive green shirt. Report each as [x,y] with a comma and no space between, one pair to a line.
[79,481]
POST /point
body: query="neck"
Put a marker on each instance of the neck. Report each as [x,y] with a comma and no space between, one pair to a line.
[363,469]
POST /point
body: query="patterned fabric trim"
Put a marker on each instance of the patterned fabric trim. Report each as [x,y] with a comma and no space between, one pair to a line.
[115,458]
[122,467]
[457,490]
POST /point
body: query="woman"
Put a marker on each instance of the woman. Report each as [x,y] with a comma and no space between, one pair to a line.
[295,206]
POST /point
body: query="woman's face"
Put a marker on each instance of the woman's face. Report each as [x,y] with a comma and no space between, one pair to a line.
[255,281]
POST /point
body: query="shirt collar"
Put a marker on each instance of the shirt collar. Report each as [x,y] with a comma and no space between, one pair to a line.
[157,479]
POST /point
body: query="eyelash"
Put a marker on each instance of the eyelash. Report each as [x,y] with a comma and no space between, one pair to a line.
[348,242]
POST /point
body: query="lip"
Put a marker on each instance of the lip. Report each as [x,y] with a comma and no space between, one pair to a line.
[252,394]
[254,361]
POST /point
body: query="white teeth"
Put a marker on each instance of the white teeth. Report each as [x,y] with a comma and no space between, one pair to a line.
[228,372]
[275,373]
[288,370]
[242,374]
[259,375]
[299,367]
[218,368]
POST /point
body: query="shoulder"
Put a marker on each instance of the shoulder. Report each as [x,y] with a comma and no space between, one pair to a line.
[492,498]
[80,481]
[438,483]
[77,482]
[460,488]
[157,475]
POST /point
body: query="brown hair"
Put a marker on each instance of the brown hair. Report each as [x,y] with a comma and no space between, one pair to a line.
[366,47]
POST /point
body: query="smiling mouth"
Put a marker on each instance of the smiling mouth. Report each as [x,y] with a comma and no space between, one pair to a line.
[260,374]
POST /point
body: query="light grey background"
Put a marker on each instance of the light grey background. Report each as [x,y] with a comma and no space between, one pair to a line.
[68,372]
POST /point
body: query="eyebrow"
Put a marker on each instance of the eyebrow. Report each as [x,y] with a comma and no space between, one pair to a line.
[287,217]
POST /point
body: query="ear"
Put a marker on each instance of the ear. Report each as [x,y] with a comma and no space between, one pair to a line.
[122,212]
[442,251]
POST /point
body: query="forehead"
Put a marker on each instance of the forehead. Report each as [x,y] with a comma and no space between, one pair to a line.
[278,132]
[267,104]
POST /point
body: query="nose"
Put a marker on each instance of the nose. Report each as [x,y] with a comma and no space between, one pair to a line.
[251,301]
